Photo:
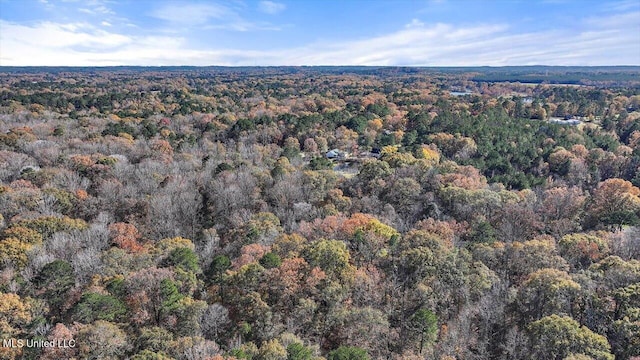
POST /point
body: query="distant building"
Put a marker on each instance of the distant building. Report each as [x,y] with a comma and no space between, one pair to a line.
[368,154]
[336,154]
[460,93]
[332,154]
[559,121]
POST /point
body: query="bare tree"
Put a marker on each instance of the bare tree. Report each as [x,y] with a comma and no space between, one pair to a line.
[214,321]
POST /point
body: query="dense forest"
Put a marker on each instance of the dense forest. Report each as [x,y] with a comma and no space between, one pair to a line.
[344,213]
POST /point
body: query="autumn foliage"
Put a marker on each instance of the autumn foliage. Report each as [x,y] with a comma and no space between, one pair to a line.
[319,213]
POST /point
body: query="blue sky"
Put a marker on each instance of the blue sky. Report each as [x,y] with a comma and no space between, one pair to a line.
[322,32]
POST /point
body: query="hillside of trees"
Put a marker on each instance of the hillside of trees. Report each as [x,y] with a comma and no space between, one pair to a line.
[198,213]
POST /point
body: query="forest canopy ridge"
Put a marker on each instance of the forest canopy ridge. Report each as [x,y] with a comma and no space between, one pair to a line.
[585,75]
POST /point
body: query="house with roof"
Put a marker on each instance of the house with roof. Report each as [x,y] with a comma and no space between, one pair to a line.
[336,154]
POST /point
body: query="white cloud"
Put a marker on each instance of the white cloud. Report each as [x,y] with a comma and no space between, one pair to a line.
[271,7]
[95,7]
[627,19]
[414,23]
[194,14]
[206,16]
[623,5]
[611,40]
[54,35]
[415,45]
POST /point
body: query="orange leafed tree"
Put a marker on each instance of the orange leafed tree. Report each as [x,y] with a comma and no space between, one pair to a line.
[250,253]
[126,237]
[615,202]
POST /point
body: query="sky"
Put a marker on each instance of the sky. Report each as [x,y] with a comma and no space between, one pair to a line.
[319,32]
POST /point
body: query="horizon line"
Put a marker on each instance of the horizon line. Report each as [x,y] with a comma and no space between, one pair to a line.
[320,66]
